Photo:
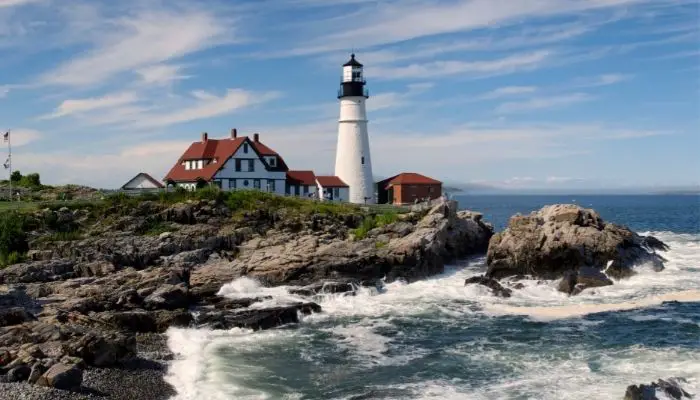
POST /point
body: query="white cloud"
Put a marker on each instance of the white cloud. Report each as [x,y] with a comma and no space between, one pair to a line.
[21,137]
[600,80]
[13,3]
[507,64]
[207,105]
[136,42]
[508,91]
[540,103]
[393,100]
[161,74]
[391,22]
[4,91]
[104,170]
[78,106]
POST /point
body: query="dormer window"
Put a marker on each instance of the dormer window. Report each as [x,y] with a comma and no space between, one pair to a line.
[272,161]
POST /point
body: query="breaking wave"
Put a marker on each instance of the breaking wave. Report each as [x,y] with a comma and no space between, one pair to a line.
[437,339]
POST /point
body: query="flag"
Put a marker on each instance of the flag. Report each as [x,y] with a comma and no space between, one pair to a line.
[6,136]
[7,164]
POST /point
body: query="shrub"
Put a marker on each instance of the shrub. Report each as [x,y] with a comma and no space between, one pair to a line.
[13,238]
[16,176]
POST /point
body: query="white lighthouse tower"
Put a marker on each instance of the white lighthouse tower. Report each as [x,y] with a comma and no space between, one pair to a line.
[353,163]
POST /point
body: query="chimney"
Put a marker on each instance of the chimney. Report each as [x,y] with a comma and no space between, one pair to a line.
[234,133]
[205,137]
[256,137]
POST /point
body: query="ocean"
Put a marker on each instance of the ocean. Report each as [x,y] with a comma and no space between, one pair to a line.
[437,339]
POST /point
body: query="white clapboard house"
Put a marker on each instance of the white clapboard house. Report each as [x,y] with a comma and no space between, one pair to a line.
[239,162]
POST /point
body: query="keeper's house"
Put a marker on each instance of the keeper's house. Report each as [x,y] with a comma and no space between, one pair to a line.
[239,162]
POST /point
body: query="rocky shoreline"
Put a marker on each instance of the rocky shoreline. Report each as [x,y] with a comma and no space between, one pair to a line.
[87,313]
[73,317]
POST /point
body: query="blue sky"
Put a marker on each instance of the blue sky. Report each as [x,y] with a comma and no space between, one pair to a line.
[512,93]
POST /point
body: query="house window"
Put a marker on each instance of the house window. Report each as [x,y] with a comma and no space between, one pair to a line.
[251,165]
[238,165]
[245,148]
[217,183]
[287,188]
[306,189]
[430,189]
[363,161]
[336,193]
[271,185]
[273,161]
[256,183]
[245,182]
[232,183]
[187,165]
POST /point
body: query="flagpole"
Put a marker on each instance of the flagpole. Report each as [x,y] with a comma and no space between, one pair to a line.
[9,158]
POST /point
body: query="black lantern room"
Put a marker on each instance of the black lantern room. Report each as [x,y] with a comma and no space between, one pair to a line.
[353,82]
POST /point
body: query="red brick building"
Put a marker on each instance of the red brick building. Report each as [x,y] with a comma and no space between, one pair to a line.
[407,188]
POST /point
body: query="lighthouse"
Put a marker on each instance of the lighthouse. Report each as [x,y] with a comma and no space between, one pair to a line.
[353,163]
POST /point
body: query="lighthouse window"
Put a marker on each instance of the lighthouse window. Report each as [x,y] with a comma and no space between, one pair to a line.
[363,161]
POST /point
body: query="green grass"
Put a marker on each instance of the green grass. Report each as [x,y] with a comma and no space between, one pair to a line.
[374,221]
[18,205]
[62,237]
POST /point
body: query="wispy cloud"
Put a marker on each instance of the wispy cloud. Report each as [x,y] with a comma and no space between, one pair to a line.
[442,68]
[204,105]
[508,91]
[22,137]
[139,42]
[79,106]
[540,103]
[13,3]
[119,110]
[161,74]
[600,80]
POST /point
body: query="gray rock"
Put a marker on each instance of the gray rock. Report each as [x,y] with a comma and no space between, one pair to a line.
[61,376]
[169,297]
[492,284]
[565,237]
[14,316]
[574,282]
[19,374]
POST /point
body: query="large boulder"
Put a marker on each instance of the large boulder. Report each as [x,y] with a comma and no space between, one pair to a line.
[566,237]
[62,376]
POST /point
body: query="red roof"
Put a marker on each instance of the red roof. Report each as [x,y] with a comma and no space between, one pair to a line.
[411,178]
[266,151]
[302,177]
[330,181]
[215,149]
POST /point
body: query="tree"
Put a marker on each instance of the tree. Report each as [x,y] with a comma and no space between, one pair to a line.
[16,176]
[33,180]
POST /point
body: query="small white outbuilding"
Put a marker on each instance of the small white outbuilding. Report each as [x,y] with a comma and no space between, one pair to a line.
[142,182]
